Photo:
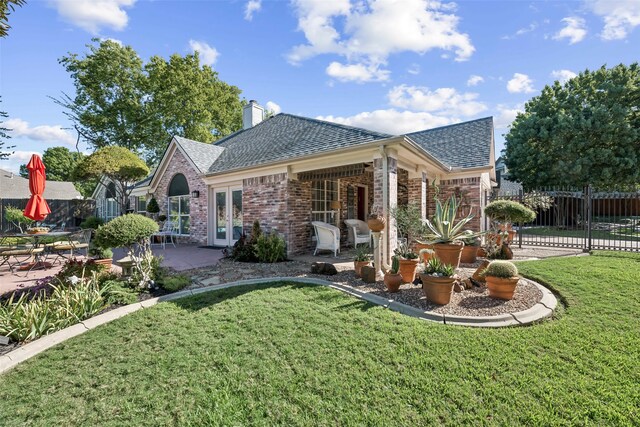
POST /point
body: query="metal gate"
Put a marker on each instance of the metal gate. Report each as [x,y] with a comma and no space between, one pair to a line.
[580,218]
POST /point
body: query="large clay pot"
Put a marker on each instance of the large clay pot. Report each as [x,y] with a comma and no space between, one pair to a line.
[376,224]
[482,252]
[469,254]
[438,290]
[392,281]
[105,262]
[425,256]
[511,236]
[408,270]
[501,288]
[449,253]
[357,266]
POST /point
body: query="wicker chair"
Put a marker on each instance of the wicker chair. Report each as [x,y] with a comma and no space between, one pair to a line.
[327,237]
[358,232]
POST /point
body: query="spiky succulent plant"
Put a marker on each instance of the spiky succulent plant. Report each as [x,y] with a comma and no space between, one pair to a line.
[503,269]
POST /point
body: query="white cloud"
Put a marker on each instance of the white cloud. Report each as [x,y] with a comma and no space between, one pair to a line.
[13,162]
[475,80]
[414,69]
[620,17]
[252,7]
[371,30]
[530,28]
[116,41]
[520,83]
[272,106]
[574,30]
[92,15]
[392,121]
[359,73]
[44,133]
[505,115]
[444,101]
[563,75]
[208,54]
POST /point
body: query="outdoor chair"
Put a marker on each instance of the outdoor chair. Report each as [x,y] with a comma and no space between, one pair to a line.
[327,237]
[358,232]
[170,230]
[15,257]
[76,242]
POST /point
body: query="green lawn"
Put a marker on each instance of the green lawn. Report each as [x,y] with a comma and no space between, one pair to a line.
[303,355]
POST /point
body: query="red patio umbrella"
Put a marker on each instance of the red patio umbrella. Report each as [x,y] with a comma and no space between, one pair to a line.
[37,208]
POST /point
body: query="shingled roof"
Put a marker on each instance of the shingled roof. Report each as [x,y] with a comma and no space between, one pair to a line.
[463,145]
[285,136]
[14,186]
[201,154]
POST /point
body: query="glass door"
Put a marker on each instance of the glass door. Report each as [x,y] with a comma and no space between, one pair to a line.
[220,219]
[227,221]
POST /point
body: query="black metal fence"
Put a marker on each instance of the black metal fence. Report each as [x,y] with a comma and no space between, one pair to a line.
[69,212]
[580,218]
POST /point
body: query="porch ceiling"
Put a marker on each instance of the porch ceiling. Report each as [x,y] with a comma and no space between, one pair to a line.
[333,173]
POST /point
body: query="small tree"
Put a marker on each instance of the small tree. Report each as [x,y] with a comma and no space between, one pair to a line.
[117,164]
[16,217]
[508,212]
[152,206]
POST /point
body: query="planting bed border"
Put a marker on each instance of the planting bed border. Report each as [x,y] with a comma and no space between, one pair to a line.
[541,310]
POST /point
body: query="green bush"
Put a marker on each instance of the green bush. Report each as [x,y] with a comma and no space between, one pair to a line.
[175,283]
[152,206]
[503,269]
[125,231]
[271,248]
[92,222]
[118,292]
[98,252]
[508,211]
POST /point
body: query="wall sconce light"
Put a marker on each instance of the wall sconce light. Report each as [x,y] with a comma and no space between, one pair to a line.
[195,194]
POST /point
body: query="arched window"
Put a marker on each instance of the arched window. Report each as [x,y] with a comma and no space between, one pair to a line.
[108,207]
[178,202]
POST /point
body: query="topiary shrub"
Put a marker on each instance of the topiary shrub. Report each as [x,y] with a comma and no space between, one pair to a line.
[125,231]
[503,269]
[152,206]
[92,222]
[271,248]
[508,211]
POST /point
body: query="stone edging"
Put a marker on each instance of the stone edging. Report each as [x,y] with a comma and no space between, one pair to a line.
[540,311]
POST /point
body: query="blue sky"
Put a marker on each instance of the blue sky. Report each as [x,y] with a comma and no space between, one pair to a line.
[389,65]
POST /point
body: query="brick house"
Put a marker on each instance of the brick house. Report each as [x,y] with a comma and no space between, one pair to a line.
[287,171]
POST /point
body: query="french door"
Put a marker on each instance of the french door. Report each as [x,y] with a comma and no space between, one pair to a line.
[227,216]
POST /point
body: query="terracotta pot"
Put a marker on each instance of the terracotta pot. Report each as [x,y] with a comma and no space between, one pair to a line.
[426,256]
[393,281]
[357,265]
[376,224]
[495,238]
[408,270]
[502,288]
[482,252]
[438,290]
[477,274]
[106,262]
[449,253]
[512,235]
[469,254]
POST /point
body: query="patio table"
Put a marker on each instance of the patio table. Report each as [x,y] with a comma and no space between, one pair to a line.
[36,239]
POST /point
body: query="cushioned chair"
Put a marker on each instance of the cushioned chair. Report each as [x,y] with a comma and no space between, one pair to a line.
[170,230]
[14,257]
[76,243]
[358,232]
[327,237]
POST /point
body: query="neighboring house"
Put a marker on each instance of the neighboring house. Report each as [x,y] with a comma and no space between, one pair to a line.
[505,187]
[62,197]
[287,171]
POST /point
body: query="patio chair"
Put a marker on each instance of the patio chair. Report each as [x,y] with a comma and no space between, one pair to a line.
[327,237]
[358,232]
[169,230]
[24,252]
[77,242]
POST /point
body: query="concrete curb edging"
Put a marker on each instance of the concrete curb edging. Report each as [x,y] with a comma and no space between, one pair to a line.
[541,310]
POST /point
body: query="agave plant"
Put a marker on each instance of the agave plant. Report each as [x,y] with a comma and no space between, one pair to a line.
[444,228]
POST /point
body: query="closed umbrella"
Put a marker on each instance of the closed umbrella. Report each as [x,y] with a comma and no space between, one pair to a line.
[37,208]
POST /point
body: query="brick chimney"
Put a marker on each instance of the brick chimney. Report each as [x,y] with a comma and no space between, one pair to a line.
[252,114]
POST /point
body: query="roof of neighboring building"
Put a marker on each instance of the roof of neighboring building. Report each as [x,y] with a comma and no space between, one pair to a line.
[463,145]
[202,155]
[509,187]
[13,186]
[285,136]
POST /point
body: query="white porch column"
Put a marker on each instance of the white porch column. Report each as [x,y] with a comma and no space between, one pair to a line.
[385,195]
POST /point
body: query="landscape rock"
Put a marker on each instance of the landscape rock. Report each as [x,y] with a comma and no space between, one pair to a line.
[324,268]
[368,274]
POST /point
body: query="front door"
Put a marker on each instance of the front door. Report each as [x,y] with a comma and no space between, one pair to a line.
[227,216]
[362,203]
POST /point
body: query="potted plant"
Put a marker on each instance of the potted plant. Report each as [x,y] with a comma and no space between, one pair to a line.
[361,259]
[470,250]
[446,232]
[504,213]
[502,279]
[153,207]
[376,220]
[408,221]
[437,281]
[408,262]
[101,255]
[392,278]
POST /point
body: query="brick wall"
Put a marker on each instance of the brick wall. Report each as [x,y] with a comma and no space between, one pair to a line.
[403,187]
[467,191]
[299,216]
[198,207]
[417,192]
[265,198]
[365,179]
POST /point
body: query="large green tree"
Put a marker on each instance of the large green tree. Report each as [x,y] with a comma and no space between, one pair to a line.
[4,137]
[118,165]
[585,131]
[6,8]
[120,101]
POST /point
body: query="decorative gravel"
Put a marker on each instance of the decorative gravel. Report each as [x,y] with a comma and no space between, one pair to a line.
[469,302]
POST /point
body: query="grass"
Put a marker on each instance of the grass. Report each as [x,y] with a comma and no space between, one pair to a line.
[290,354]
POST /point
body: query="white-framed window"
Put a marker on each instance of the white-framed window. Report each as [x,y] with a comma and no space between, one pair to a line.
[141,206]
[108,208]
[322,194]
[178,201]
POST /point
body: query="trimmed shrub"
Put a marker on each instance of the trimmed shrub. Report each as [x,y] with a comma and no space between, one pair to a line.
[152,206]
[92,222]
[503,269]
[508,211]
[175,283]
[125,231]
[271,248]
